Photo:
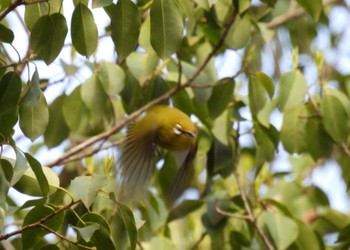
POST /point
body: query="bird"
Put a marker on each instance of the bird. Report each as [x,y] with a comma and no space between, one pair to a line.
[161,126]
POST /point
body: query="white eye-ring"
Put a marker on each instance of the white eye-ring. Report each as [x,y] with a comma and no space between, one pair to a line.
[178,129]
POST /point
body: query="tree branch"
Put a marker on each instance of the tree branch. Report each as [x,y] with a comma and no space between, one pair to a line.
[232,215]
[104,135]
[38,223]
[10,8]
[250,215]
[294,12]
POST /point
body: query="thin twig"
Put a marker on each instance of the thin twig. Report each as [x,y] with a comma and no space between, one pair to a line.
[10,8]
[232,215]
[93,151]
[57,234]
[104,135]
[38,223]
[345,148]
[250,214]
[195,246]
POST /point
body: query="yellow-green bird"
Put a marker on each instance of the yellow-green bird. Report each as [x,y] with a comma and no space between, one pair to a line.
[163,126]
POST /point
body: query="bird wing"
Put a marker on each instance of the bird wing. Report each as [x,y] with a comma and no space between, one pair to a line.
[136,161]
[183,175]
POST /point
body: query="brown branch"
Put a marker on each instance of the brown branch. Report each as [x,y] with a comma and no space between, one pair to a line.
[232,215]
[93,151]
[104,135]
[250,215]
[294,12]
[345,149]
[15,4]
[10,8]
[38,223]
[58,234]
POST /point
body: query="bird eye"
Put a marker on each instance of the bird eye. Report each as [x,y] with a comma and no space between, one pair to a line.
[178,129]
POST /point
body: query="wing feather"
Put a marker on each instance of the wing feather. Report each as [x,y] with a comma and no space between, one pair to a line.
[136,162]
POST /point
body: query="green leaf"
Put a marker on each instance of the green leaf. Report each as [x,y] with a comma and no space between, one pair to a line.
[125,26]
[186,207]
[205,4]
[6,35]
[319,143]
[75,112]
[129,223]
[95,218]
[257,96]
[239,33]
[34,118]
[101,3]
[7,122]
[39,174]
[264,113]
[162,243]
[334,118]
[307,238]
[283,230]
[10,91]
[48,35]
[329,220]
[57,129]
[34,235]
[6,173]
[87,187]
[166,27]
[84,30]
[34,11]
[93,95]
[294,128]
[314,8]
[221,96]
[266,140]
[292,90]
[33,203]
[33,91]
[112,77]
[223,9]
[145,36]
[222,126]
[141,65]
[2,218]
[20,166]
[101,237]
[50,247]
[87,232]
[267,82]
[29,182]
[344,235]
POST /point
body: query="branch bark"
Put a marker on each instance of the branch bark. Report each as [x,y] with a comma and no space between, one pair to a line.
[40,222]
[293,12]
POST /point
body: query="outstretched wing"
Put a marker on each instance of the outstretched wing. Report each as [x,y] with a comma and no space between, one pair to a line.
[184,174]
[136,161]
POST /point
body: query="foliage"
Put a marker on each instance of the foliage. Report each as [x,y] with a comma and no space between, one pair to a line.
[169,51]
